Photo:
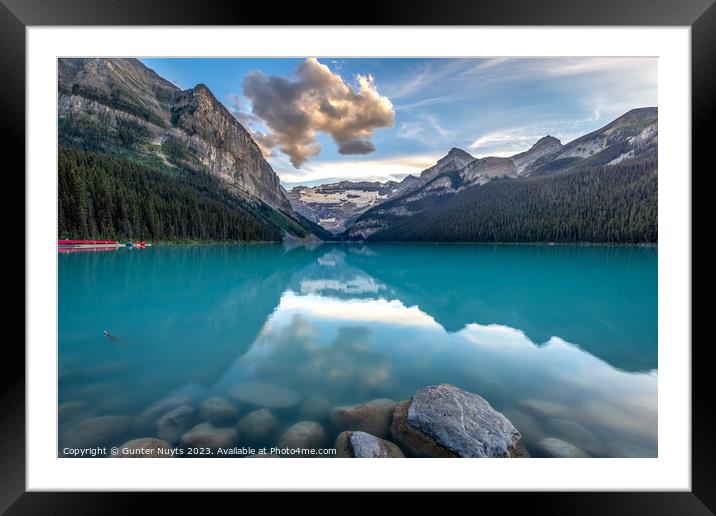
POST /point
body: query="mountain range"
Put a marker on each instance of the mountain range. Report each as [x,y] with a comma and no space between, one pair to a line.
[141,158]
[600,187]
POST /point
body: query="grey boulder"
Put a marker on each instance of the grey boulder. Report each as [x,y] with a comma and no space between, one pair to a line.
[360,445]
[446,421]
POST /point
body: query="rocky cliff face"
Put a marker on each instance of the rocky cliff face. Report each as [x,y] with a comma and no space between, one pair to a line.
[115,99]
[225,148]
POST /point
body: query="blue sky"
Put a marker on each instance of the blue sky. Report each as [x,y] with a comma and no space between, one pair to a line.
[398,116]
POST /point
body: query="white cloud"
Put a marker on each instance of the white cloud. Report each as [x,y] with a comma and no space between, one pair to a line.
[394,168]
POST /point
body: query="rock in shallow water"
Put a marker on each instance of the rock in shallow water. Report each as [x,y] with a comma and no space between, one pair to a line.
[265,395]
[145,447]
[158,409]
[217,410]
[557,448]
[373,417]
[174,423]
[96,431]
[306,434]
[445,421]
[257,427]
[360,445]
[206,435]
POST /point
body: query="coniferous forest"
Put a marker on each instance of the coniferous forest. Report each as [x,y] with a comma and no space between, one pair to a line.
[608,204]
[110,197]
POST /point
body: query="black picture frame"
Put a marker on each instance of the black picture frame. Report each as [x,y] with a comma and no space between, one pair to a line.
[17,15]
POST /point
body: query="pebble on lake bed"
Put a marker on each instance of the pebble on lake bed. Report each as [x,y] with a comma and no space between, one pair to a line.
[305,435]
[257,427]
[174,423]
[217,410]
[158,409]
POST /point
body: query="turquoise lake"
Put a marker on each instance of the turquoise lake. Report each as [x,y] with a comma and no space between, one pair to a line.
[561,339]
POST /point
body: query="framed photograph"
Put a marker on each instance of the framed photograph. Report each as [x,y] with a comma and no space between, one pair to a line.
[450,236]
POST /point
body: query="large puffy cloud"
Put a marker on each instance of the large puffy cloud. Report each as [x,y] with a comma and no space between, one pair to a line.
[317,100]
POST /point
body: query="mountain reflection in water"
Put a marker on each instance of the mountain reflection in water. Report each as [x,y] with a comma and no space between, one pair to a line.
[561,339]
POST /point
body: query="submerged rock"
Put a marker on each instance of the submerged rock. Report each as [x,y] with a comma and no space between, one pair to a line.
[373,417]
[96,431]
[445,421]
[360,445]
[258,426]
[265,395]
[174,423]
[306,434]
[206,435]
[557,448]
[158,409]
[145,447]
[217,410]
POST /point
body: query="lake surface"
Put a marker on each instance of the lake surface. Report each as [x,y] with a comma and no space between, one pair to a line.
[561,339]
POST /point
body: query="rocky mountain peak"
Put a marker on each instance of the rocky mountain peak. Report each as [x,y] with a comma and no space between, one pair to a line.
[545,142]
[545,146]
[457,153]
[453,160]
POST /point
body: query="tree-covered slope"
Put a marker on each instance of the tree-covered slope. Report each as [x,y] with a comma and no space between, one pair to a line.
[184,140]
[102,196]
[608,204]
